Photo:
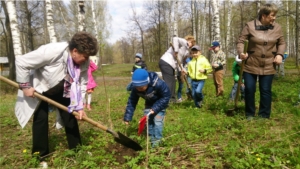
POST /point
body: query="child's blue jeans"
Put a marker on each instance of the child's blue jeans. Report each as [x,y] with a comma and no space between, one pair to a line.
[234,90]
[156,124]
[197,94]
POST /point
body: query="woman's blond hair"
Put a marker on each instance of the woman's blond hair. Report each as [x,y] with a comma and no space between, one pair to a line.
[190,38]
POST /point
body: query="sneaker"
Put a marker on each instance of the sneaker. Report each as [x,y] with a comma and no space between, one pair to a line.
[200,104]
[172,101]
[43,164]
[250,118]
[297,104]
[179,100]
[155,144]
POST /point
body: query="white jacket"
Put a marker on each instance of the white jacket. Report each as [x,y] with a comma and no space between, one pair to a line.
[180,46]
[49,66]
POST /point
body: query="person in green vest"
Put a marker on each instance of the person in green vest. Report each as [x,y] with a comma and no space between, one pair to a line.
[236,67]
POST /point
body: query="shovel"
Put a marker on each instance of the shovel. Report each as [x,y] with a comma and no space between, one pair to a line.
[118,137]
[189,93]
[230,111]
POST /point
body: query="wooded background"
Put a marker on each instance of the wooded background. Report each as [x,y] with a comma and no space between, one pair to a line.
[148,32]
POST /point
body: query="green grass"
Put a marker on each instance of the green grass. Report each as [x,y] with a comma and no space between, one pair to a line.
[193,138]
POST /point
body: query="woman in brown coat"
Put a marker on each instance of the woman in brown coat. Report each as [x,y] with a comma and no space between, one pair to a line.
[265,51]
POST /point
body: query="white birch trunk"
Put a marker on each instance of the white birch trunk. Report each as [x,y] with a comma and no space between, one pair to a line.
[175,19]
[228,23]
[170,27]
[287,27]
[205,23]
[216,21]
[81,17]
[194,19]
[94,58]
[49,18]
[15,32]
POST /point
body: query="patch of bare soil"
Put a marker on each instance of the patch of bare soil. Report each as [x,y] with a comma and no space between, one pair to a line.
[120,151]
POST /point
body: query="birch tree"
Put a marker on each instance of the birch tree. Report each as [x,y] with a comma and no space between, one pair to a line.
[15,33]
[81,16]
[175,27]
[215,21]
[297,33]
[94,58]
[49,18]
[229,2]
[287,27]
[193,19]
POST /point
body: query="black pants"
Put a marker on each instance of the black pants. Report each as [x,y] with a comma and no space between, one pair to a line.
[40,125]
[168,74]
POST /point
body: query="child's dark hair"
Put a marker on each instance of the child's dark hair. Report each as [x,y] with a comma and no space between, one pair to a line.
[85,43]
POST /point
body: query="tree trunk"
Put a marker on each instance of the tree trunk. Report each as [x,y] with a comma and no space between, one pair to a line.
[15,34]
[193,19]
[28,13]
[81,16]
[49,18]
[216,21]
[175,27]
[287,27]
[297,33]
[95,59]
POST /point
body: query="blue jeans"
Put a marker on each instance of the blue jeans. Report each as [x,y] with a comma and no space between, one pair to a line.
[180,85]
[189,82]
[179,90]
[234,89]
[265,87]
[156,124]
[197,87]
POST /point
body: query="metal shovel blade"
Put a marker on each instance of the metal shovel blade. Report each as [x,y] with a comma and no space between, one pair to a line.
[127,142]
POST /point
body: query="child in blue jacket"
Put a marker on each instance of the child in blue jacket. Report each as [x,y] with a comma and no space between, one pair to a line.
[157,95]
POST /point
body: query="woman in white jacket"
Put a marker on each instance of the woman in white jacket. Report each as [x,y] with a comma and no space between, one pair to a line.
[168,63]
[60,69]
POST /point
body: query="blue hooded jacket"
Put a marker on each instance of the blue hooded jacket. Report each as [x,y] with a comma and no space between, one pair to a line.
[156,96]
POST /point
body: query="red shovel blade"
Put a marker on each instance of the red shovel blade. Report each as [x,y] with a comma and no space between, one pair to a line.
[142,123]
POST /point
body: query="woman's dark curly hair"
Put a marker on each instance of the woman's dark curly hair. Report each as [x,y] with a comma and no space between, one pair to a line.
[85,43]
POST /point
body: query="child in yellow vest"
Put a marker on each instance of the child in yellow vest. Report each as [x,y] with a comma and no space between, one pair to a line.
[198,68]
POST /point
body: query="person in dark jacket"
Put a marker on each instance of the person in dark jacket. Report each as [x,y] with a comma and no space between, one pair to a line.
[157,96]
[139,64]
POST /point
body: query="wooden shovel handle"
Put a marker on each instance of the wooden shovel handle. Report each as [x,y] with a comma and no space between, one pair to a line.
[240,75]
[60,106]
[179,63]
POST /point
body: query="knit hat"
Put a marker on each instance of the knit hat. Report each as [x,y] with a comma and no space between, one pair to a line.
[138,55]
[237,59]
[140,77]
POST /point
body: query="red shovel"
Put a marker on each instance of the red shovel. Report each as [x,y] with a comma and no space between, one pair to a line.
[142,123]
